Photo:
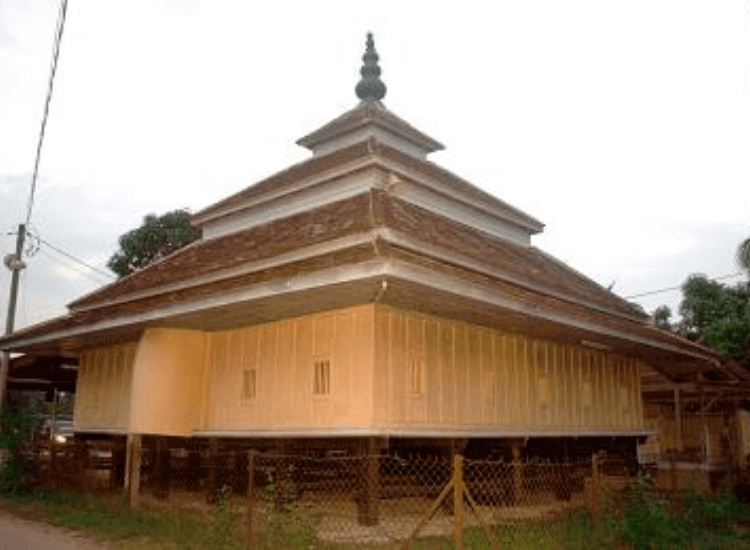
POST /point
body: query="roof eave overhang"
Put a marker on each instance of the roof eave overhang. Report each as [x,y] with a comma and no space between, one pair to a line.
[392,282]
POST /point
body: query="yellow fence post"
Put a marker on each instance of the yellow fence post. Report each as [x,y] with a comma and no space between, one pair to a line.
[458,501]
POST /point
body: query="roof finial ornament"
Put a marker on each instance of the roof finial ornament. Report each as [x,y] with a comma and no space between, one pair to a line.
[370,88]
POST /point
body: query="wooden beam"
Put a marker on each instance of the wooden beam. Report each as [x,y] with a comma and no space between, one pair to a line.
[678,419]
[133,461]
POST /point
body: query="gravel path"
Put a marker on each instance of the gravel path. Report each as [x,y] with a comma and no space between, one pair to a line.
[21,534]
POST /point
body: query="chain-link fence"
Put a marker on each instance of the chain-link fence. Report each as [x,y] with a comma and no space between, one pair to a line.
[380,499]
[383,499]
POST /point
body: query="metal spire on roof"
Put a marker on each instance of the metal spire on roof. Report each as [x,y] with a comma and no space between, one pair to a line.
[370,88]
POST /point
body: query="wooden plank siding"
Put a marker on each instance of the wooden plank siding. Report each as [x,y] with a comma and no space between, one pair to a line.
[482,379]
[103,388]
[355,370]
[284,356]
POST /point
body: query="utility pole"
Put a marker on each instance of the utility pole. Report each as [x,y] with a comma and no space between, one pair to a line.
[14,262]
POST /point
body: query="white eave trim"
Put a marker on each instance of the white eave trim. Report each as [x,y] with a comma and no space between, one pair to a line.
[245,269]
[378,268]
[504,212]
[430,431]
[453,285]
[276,287]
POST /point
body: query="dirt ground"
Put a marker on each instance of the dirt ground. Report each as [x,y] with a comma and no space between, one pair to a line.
[21,534]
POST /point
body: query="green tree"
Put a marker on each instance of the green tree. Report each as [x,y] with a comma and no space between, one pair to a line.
[157,237]
[662,316]
[717,315]
[743,255]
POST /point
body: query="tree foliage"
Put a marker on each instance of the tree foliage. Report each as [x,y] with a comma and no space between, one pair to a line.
[717,315]
[662,316]
[157,237]
[743,255]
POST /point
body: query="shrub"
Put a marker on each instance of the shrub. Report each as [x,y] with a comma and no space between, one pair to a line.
[15,432]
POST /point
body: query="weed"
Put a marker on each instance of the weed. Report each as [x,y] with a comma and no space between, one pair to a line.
[288,524]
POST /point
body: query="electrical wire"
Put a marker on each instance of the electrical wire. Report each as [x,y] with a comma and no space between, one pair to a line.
[671,288]
[74,259]
[72,267]
[55,55]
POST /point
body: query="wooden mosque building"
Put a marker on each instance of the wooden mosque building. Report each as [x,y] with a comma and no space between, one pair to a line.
[365,298]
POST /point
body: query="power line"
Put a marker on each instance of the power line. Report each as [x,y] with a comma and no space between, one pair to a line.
[73,258]
[55,55]
[671,288]
[73,267]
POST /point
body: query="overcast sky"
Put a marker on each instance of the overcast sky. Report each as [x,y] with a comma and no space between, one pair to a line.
[624,126]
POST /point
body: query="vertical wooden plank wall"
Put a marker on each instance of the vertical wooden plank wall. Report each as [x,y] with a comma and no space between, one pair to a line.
[103,388]
[478,377]
[283,355]
[467,376]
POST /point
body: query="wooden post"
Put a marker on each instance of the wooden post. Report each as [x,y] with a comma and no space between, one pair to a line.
[117,472]
[161,468]
[212,485]
[250,494]
[596,485]
[516,447]
[52,471]
[279,474]
[368,494]
[677,420]
[458,501]
[194,466]
[133,461]
[372,496]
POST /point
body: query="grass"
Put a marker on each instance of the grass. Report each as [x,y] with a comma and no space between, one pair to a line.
[639,521]
[107,518]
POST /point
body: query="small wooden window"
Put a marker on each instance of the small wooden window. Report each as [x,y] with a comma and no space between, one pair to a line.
[588,395]
[488,389]
[543,398]
[543,393]
[416,372]
[322,384]
[625,400]
[248,384]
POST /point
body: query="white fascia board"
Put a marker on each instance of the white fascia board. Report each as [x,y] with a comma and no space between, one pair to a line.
[323,193]
[245,269]
[352,273]
[301,184]
[472,291]
[428,431]
[500,211]
[504,213]
[441,254]
[384,135]
[269,289]
[460,212]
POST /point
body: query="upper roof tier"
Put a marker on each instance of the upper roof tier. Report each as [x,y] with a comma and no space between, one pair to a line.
[370,119]
[367,134]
